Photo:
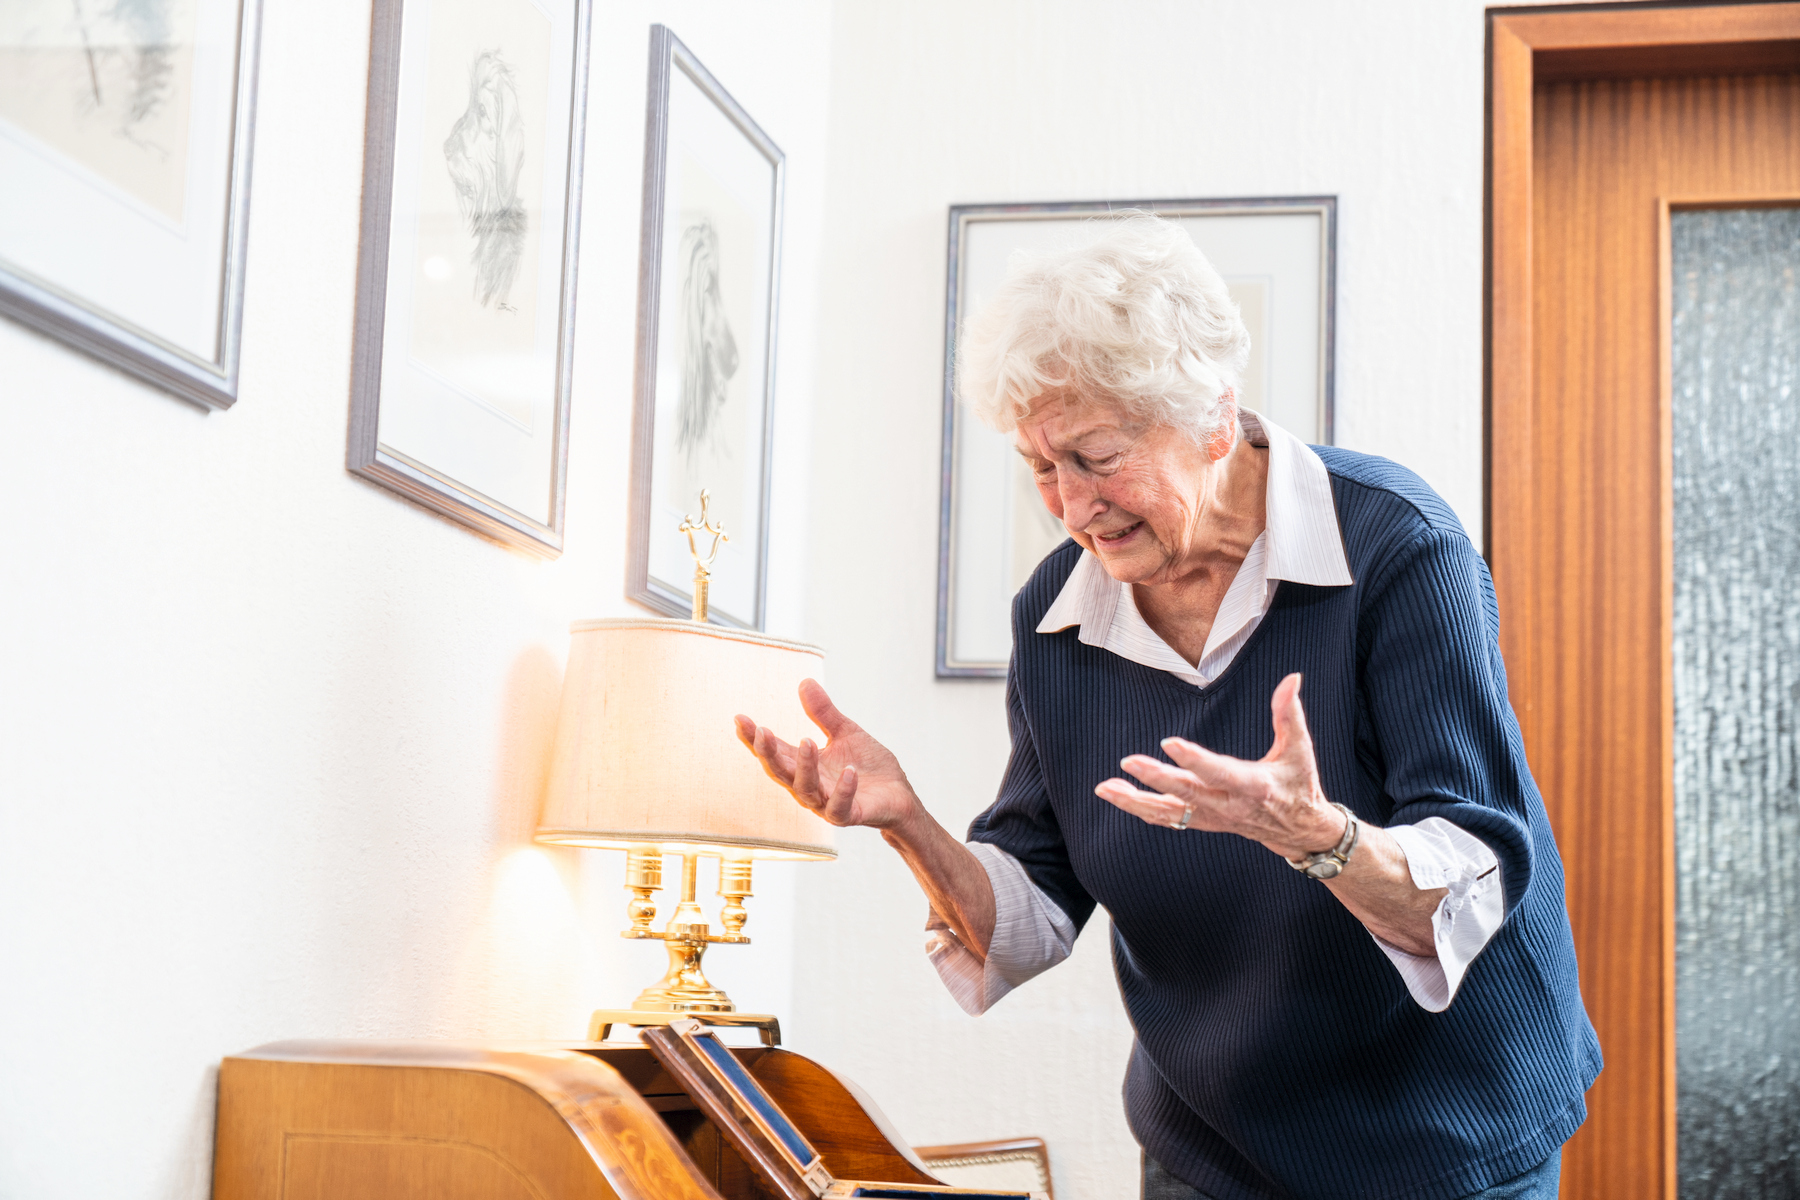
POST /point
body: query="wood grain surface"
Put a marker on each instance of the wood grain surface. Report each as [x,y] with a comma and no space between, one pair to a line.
[778,1169]
[851,1133]
[354,1120]
[1580,175]
[374,1121]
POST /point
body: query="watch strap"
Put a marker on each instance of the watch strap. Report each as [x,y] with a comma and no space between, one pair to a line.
[1327,863]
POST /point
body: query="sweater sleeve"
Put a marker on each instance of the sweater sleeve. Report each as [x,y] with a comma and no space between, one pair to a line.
[1022,823]
[1435,690]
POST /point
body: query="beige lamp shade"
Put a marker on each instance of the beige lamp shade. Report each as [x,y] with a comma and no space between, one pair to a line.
[645,748]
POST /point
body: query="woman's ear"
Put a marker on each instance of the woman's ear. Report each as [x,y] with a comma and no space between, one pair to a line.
[1220,444]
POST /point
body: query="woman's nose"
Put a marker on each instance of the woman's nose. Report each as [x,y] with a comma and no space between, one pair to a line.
[1081,502]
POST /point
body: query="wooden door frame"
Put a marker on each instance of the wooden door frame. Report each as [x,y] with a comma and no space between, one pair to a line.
[1604,41]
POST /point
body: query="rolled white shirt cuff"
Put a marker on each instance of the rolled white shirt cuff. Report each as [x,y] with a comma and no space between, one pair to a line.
[1031,935]
[1440,853]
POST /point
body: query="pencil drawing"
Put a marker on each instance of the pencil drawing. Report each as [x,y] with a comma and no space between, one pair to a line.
[485,153]
[709,356]
[127,49]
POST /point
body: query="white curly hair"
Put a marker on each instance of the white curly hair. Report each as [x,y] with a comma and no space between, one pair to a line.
[1135,317]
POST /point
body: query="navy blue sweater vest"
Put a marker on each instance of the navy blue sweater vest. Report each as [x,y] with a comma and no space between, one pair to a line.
[1278,1052]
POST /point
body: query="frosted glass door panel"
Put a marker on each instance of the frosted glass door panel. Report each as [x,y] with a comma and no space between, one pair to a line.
[1736,353]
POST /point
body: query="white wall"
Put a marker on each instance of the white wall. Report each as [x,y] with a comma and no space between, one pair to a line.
[938,102]
[271,738]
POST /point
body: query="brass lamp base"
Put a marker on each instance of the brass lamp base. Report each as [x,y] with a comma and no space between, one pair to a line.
[684,990]
[603,1020]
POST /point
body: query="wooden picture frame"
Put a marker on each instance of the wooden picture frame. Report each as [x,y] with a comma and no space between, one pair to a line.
[740,1109]
[123,227]
[708,289]
[471,221]
[1025,1155]
[755,1125]
[1279,256]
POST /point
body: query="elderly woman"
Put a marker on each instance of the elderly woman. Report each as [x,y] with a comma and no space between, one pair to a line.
[1338,925]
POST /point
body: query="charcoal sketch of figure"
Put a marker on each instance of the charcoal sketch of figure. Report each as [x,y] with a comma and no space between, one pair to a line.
[709,354]
[486,153]
[107,84]
[128,52]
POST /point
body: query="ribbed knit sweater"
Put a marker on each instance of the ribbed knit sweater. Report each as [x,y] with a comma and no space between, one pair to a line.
[1278,1052]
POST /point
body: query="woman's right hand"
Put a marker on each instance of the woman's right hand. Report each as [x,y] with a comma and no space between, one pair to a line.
[853,780]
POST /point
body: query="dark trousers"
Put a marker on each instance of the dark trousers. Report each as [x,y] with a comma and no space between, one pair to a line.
[1539,1183]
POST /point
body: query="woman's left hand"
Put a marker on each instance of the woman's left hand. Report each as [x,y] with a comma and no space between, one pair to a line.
[1275,800]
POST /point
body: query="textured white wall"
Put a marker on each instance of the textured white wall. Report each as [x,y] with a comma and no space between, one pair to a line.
[271,738]
[938,102]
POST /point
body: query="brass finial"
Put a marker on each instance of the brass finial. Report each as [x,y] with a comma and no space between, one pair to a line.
[701,574]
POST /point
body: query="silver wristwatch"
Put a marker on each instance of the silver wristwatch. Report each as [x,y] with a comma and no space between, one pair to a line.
[1327,863]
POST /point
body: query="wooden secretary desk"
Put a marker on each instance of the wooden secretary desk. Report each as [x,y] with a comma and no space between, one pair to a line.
[318,1120]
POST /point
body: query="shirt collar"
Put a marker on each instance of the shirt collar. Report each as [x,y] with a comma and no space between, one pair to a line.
[1303,541]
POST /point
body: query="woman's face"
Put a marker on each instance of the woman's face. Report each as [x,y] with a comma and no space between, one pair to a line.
[1130,492]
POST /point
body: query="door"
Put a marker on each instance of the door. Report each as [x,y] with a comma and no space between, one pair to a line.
[1632,152]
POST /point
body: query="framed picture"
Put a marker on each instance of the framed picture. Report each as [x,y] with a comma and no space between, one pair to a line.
[1278,257]
[708,277]
[764,1135]
[1021,1163]
[755,1125]
[465,298]
[125,181]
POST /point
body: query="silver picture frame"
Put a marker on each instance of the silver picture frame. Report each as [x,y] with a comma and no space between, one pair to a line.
[534,522]
[981,654]
[206,377]
[658,565]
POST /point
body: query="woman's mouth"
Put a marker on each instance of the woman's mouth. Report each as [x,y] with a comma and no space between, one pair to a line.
[1119,536]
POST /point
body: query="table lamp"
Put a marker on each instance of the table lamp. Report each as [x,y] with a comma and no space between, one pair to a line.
[647,761]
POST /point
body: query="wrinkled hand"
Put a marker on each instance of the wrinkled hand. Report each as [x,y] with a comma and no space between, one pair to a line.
[867,785]
[1276,800]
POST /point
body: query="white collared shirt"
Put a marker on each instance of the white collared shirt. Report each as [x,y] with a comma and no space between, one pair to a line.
[1301,543]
